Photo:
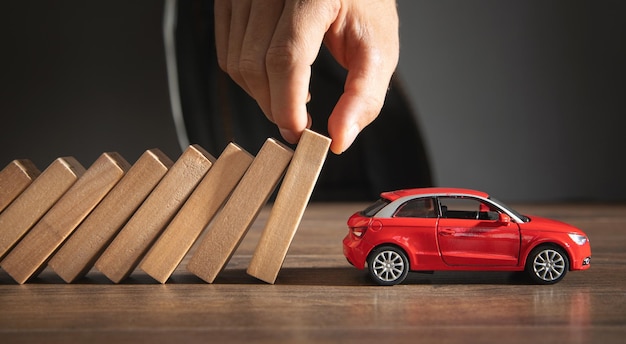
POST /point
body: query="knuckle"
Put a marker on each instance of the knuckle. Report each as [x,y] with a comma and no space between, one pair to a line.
[232,67]
[280,58]
[251,67]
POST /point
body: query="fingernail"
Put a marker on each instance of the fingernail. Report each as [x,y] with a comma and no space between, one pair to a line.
[289,136]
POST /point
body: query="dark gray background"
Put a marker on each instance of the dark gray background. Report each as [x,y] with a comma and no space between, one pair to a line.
[523,99]
[81,78]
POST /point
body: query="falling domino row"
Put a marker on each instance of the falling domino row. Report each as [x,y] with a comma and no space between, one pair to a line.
[118,217]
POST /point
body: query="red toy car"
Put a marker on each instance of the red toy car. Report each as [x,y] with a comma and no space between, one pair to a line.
[432,229]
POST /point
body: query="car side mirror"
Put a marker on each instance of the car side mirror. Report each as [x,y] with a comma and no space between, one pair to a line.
[504,218]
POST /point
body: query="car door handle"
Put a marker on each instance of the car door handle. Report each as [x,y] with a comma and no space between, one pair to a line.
[447,231]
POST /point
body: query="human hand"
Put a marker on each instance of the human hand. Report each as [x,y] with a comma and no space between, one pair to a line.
[268,47]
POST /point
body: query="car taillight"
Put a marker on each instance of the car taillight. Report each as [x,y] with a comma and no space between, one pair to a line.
[358,231]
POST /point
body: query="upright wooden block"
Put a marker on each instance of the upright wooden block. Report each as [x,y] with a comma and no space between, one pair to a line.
[135,238]
[172,246]
[291,201]
[81,250]
[36,200]
[14,179]
[29,257]
[225,233]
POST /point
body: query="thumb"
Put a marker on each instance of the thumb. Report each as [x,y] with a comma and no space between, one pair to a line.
[363,98]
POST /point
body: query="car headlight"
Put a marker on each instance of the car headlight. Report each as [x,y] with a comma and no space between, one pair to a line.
[579,239]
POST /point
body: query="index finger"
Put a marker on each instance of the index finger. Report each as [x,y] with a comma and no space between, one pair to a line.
[292,51]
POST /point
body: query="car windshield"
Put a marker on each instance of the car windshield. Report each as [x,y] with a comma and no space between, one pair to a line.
[375,208]
[515,212]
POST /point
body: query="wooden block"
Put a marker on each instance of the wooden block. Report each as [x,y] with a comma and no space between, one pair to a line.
[225,233]
[291,201]
[136,237]
[81,250]
[36,200]
[29,257]
[14,179]
[208,197]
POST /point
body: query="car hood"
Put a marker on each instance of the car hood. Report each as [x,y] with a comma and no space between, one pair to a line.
[544,224]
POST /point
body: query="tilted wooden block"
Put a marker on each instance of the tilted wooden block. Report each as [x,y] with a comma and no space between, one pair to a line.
[210,194]
[14,179]
[19,217]
[291,201]
[81,250]
[132,242]
[29,257]
[225,233]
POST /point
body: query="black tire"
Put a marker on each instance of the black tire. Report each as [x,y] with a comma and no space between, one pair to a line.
[547,264]
[388,265]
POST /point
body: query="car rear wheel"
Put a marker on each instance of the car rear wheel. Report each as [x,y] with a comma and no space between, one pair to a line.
[547,264]
[388,265]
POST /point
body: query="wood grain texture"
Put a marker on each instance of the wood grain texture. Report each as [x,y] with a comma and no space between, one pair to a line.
[31,254]
[14,179]
[81,250]
[132,242]
[291,201]
[320,298]
[208,197]
[231,225]
[24,212]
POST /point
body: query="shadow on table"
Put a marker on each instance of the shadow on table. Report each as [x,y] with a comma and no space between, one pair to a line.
[352,277]
[331,276]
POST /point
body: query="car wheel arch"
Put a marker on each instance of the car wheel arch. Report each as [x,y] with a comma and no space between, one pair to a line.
[412,262]
[546,244]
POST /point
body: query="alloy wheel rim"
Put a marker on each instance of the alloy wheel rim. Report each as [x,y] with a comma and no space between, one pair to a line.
[549,265]
[388,266]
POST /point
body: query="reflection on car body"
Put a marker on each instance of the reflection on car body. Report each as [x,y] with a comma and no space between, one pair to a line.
[429,229]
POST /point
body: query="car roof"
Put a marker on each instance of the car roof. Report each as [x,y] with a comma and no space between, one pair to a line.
[435,191]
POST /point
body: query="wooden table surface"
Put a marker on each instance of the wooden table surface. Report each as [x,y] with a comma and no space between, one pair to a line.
[319,297]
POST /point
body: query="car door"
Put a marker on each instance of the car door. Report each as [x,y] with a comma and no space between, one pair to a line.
[471,232]
[412,226]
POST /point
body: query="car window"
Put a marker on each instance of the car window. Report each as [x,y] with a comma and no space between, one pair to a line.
[375,207]
[466,208]
[419,207]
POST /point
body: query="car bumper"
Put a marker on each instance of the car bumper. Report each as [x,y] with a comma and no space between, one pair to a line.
[583,258]
[356,251]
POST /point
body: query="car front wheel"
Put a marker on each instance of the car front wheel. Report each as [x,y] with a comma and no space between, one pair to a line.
[547,264]
[388,265]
